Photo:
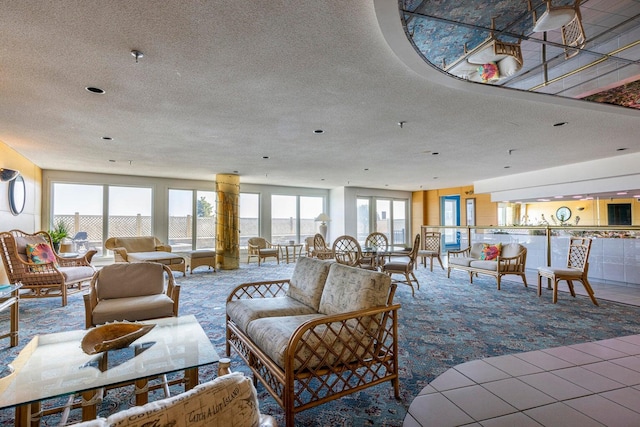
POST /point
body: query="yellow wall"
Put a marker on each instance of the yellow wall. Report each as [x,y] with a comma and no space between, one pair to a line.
[29,219]
[426,206]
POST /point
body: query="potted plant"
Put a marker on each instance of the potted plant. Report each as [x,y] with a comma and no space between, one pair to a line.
[58,233]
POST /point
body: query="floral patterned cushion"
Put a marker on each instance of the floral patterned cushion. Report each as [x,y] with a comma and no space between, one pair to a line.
[41,253]
[244,311]
[350,289]
[307,281]
[272,336]
[490,251]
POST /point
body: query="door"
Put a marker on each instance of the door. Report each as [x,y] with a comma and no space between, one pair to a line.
[450,215]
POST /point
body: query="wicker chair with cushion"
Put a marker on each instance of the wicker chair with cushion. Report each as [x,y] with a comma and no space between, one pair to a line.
[405,266]
[378,244]
[29,259]
[320,248]
[430,248]
[347,251]
[261,248]
[576,269]
[132,292]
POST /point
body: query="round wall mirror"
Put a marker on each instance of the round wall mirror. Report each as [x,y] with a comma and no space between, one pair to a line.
[17,195]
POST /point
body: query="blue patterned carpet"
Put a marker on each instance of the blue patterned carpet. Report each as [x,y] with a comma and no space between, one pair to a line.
[448,322]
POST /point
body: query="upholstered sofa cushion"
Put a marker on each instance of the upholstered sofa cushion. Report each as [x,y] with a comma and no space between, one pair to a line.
[135,281]
[138,244]
[133,308]
[308,279]
[155,256]
[244,311]
[74,274]
[484,265]
[350,289]
[510,250]
[229,400]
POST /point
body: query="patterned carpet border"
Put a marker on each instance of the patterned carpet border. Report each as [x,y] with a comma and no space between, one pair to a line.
[447,323]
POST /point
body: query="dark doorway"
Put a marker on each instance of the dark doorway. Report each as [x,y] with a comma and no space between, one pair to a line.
[619,213]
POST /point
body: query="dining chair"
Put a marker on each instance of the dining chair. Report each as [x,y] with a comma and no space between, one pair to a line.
[405,266]
[576,269]
[431,244]
[378,243]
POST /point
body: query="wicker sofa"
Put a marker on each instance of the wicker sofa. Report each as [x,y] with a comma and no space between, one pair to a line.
[511,259]
[328,331]
[144,249]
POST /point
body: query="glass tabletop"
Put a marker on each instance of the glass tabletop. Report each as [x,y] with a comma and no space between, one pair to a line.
[53,365]
[7,290]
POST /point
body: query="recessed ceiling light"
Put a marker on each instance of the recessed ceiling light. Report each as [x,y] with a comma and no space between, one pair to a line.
[318,131]
[94,90]
[559,124]
[107,138]
[558,197]
[366,169]
[507,167]
[265,157]
[435,153]
[544,200]
[622,193]
[577,197]
[621,149]
[112,161]
[235,171]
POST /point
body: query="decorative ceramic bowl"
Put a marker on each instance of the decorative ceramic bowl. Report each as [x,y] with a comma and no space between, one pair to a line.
[112,336]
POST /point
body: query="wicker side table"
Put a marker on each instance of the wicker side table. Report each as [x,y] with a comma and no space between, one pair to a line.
[195,259]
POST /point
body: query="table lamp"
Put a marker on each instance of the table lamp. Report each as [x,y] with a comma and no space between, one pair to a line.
[323,218]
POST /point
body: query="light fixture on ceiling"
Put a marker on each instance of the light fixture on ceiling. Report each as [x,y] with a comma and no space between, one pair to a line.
[559,124]
[94,89]
[318,131]
[137,54]
[401,124]
[580,208]
[8,174]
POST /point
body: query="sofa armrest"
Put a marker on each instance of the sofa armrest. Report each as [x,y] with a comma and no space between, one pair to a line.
[461,253]
[83,260]
[163,248]
[352,338]
[514,263]
[266,289]
[120,254]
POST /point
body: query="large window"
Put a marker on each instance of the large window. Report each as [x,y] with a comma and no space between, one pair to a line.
[390,218]
[249,217]
[130,211]
[181,219]
[293,217]
[284,218]
[206,220]
[184,233]
[310,208]
[79,207]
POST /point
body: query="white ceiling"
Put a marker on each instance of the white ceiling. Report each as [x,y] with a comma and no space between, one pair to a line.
[224,83]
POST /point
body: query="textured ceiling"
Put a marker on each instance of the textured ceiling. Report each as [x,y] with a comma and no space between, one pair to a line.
[224,84]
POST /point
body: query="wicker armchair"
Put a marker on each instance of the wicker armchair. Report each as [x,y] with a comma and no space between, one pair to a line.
[320,248]
[261,248]
[405,266]
[57,278]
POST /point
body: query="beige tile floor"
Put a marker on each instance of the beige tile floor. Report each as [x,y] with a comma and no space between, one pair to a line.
[583,385]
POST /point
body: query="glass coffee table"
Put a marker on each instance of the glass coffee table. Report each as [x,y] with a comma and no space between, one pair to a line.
[54,365]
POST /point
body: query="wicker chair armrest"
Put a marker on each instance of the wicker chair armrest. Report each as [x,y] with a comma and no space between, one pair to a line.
[266,289]
[508,263]
[163,248]
[83,260]
[366,333]
[463,252]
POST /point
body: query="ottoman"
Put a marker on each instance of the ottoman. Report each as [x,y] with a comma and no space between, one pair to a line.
[199,258]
